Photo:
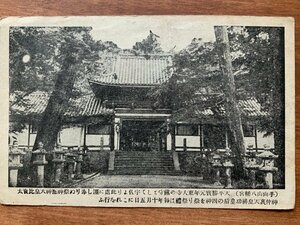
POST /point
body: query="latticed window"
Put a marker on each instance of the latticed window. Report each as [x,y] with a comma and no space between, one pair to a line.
[249,130]
[33,128]
[187,130]
[98,129]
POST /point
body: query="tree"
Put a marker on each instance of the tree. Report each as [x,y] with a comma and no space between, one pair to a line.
[257,66]
[231,105]
[56,59]
[194,72]
[261,58]
[32,65]
[73,50]
[148,46]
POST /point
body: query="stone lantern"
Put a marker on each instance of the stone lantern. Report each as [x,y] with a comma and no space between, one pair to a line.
[40,161]
[70,161]
[251,165]
[216,163]
[58,160]
[79,161]
[14,164]
[227,164]
[268,165]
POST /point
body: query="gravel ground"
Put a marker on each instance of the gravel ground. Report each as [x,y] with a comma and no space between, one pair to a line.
[144,181]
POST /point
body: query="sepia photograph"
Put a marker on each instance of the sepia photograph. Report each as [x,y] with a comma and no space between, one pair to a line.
[149,103]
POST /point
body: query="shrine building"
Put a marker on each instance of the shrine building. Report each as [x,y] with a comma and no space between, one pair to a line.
[121,117]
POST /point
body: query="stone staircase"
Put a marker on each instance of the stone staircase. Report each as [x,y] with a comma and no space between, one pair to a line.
[143,163]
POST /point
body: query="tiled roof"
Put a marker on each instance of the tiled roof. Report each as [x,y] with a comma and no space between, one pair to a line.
[249,108]
[139,70]
[36,103]
[252,108]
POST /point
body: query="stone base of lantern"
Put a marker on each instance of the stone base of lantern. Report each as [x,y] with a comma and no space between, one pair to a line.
[70,166]
[217,176]
[78,174]
[58,173]
[228,177]
[13,174]
[13,177]
[252,175]
[269,176]
[40,173]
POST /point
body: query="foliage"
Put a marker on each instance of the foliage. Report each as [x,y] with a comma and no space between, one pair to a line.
[196,81]
[195,73]
[38,72]
[261,64]
[148,46]
[37,57]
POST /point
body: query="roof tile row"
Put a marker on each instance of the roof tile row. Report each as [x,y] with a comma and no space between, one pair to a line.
[136,70]
[36,103]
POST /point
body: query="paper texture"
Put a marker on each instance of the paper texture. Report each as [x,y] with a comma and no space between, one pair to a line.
[148,111]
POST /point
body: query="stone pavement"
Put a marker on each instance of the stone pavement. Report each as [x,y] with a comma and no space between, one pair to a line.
[144,181]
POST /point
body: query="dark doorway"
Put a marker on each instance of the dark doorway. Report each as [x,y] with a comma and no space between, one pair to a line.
[141,135]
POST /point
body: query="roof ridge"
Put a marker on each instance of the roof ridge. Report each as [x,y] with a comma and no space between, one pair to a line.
[143,55]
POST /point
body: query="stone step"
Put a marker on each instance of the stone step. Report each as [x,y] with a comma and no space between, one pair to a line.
[127,172]
[145,166]
[142,154]
[143,172]
[144,160]
[143,163]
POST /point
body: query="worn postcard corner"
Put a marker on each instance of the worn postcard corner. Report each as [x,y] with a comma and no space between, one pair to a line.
[148,111]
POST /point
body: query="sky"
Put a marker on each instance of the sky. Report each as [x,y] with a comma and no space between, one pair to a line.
[179,32]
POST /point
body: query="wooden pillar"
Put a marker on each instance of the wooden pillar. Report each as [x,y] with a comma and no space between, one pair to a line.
[201,135]
[165,143]
[84,136]
[112,138]
[159,140]
[184,145]
[226,138]
[29,127]
[117,132]
[173,138]
[255,137]
[80,137]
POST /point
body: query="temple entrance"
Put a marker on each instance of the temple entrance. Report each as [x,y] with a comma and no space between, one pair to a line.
[142,136]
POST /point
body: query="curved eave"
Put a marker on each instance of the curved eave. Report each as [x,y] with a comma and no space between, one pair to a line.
[123,85]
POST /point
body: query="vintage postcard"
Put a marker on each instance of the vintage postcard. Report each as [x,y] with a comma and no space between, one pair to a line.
[148,111]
